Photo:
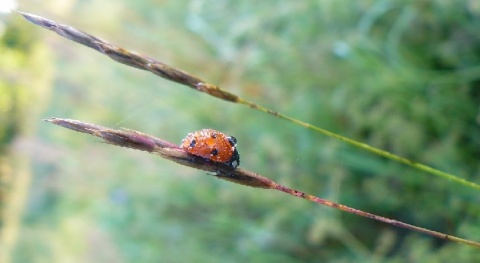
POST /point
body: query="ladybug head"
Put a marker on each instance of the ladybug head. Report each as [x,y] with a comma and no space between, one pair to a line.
[232,140]
[234,161]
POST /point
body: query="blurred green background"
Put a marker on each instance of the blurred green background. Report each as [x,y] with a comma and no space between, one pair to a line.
[403,76]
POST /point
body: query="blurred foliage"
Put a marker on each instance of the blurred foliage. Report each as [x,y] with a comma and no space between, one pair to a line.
[24,58]
[400,75]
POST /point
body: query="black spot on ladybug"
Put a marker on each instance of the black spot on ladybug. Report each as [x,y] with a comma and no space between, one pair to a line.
[192,143]
[214,152]
[213,135]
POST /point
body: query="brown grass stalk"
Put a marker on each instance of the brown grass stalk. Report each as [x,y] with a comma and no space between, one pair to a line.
[170,151]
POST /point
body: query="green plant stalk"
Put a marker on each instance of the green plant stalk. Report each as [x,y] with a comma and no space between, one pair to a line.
[364,146]
[156,67]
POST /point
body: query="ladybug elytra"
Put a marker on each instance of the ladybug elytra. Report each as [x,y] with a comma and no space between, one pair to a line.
[212,145]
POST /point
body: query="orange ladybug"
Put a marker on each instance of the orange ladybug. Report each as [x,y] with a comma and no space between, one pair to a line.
[212,145]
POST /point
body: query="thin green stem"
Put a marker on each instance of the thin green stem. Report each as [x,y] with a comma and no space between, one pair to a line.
[366,147]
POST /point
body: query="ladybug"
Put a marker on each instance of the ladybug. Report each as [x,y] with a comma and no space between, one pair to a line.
[212,145]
